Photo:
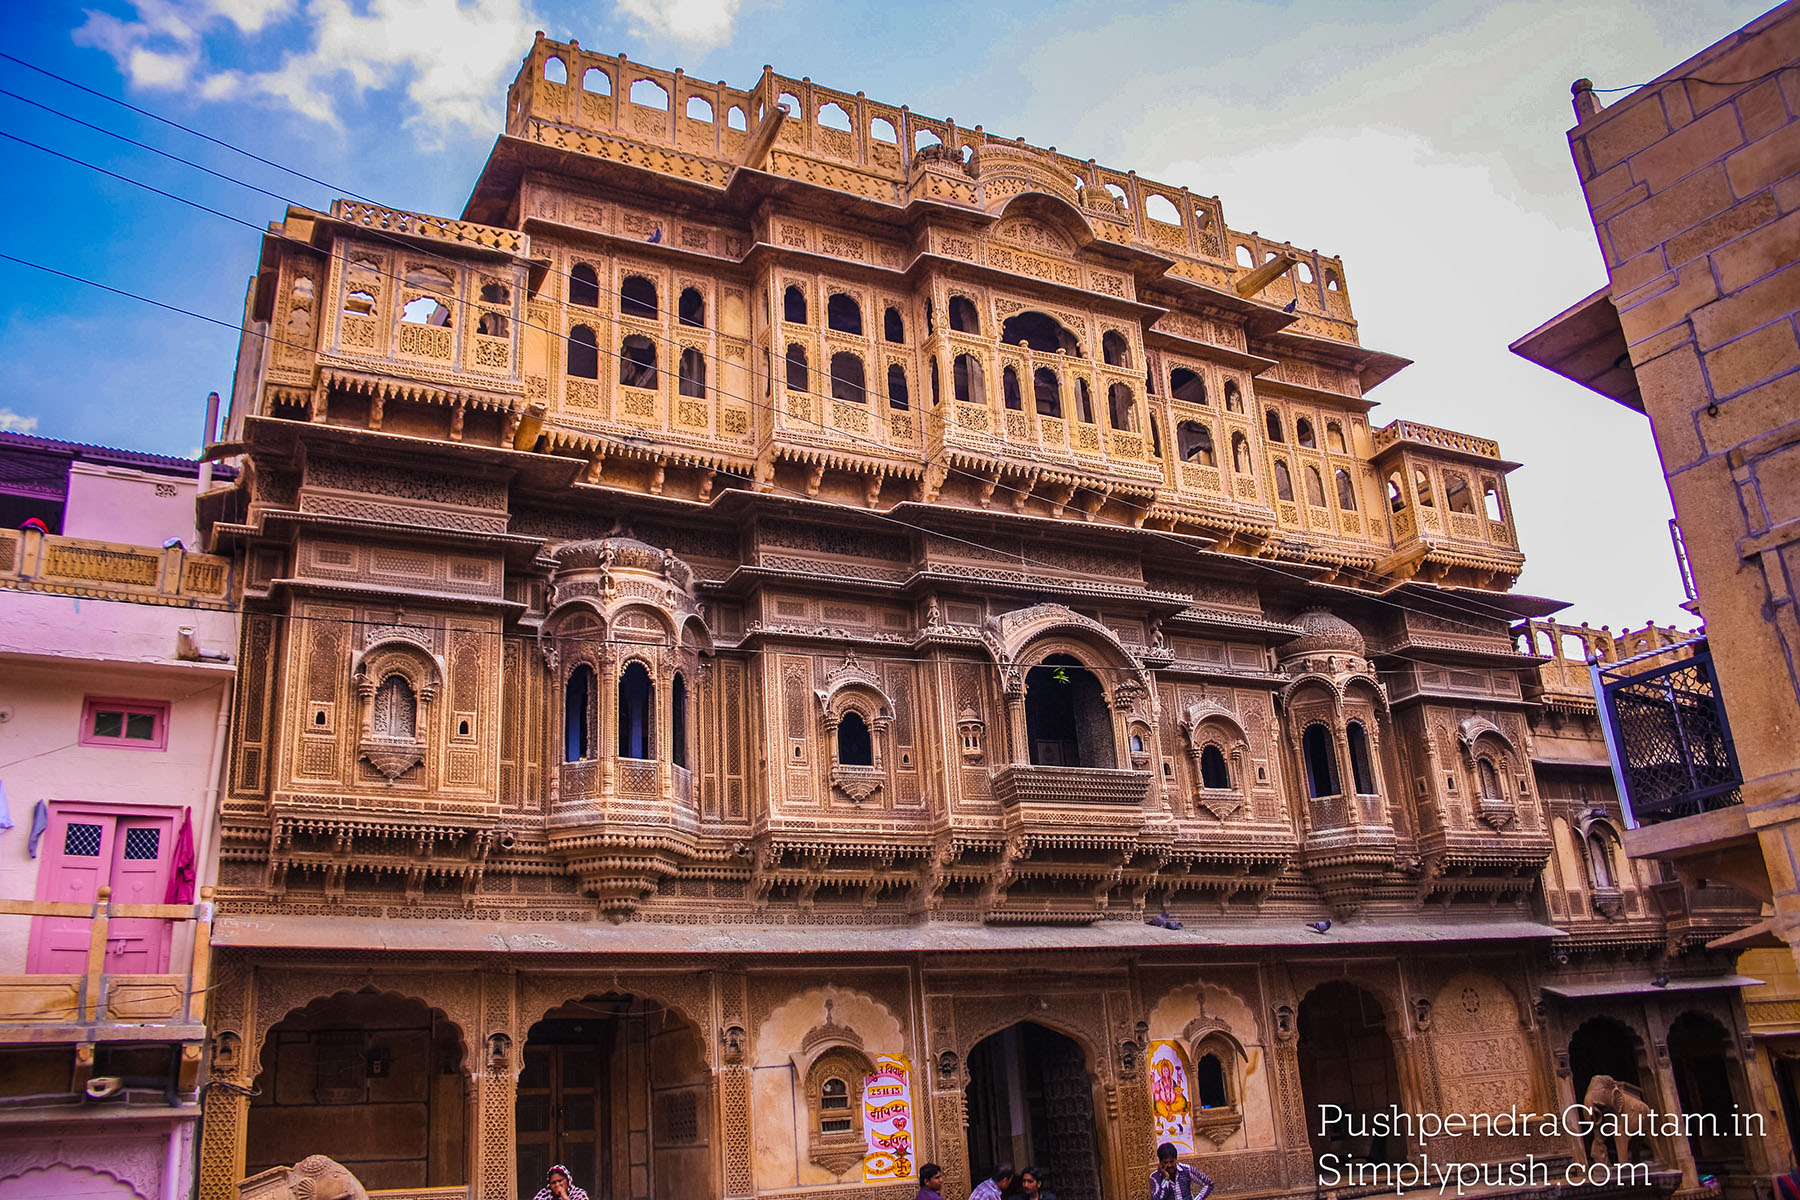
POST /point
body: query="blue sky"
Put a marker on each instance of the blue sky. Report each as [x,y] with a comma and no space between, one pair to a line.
[1424,142]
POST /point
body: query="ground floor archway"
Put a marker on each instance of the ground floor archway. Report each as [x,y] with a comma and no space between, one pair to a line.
[1700,1060]
[372,1079]
[1031,1102]
[1347,1060]
[616,1088]
[1605,1046]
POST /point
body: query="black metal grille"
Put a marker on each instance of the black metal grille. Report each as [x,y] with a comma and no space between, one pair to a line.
[142,843]
[1671,736]
[82,841]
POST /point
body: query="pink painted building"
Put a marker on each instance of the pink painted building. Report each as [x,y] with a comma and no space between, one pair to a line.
[115,690]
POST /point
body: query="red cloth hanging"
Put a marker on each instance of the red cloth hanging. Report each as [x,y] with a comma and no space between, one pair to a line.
[181,866]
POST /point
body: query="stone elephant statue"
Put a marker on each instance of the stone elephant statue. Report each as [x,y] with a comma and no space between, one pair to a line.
[1611,1098]
[313,1178]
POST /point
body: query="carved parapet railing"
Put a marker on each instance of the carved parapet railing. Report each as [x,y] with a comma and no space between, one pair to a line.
[1345,864]
[39,562]
[1087,788]
[1431,435]
[443,229]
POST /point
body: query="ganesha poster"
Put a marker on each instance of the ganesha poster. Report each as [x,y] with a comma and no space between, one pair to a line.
[1171,1107]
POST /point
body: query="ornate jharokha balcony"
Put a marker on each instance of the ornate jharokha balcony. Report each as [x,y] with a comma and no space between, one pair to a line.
[1057,794]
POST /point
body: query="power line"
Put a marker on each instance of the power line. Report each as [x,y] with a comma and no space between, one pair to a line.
[1467,603]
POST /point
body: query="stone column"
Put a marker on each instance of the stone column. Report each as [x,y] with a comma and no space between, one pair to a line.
[496,1089]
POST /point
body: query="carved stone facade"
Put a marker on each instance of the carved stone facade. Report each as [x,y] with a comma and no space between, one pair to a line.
[690,669]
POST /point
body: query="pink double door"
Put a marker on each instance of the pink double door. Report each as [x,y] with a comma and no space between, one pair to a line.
[84,848]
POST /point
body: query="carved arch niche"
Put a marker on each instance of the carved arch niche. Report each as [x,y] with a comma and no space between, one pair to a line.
[1031,642]
[1232,1110]
[1489,758]
[1218,752]
[1479,1047]
[858,715]
[397,685]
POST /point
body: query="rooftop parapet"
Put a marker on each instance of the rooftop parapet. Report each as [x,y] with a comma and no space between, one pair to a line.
[1438,439]
[40,562]
[841,140]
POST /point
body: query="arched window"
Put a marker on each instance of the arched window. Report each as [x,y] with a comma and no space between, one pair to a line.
[1214,773]
[584,286]
[1334,437]
[584,353]
[1284,481]
[1272,420]
[699,109]
[491,325]
[1187,386]
[577,714]
[678,721]
[1084,402]
[1009,389]
[735,118]
[963,317]
[1599,859]
[793,305]
[847,378]
[797,370]
[1487,780]
[637,297]
[1315,487]
[832,116]
[692,373]
[1234,399]
[396,712]
[1396,493]
[882,130]
[930,319]
[426,310]
[1457,496]
[496,293]
[1345,489]
[649,94]
[1303,434]
[893,328]
[1114,350]
[1321,762]
[854,747]
[691,309]
[596,81]
[1362,769]
[1240,454]
[897,395]
[1209,1082]
[1491,502]
[843,314]
[1120,408]
[1155,435]
[936,396]
[1046,394]
[637,362]
[555,70]
[637,708]
[966,379]
[834,1107]
[1194,442]
[1422,485]
[1041,332]
[1067,720]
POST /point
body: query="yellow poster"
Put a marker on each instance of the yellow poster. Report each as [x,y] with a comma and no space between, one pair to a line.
[887,1121]
[1171,1107]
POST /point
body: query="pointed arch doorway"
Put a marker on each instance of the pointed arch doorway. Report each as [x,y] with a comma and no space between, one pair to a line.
[616,1088]
[1031,1101]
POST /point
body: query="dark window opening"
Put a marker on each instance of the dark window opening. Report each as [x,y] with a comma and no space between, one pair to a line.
[1303,434]
[1067,721]
[1315,487]
[966,380]
[678,721]
[1009,388]
[1273,423]
[577,714]
[847,378]
[1362,769]
[1284,481]
[935,396]
[1457,496]
[1194,442]
[1321,762]
[637,730]
[691,373]
[843,314]
[491,325]
[1240,454]
[897,395]
[892,327]
[1113,349]
[637,297]
[1345,490]
[793,306]
[1187,386]
[1213,771]
[1396,494]
[584,353]
[1121,407]
[691,310]
[1209,1080]
[1040,332]
[1084,401]
[854,746]
[1234,399]
[963,317]
[797,370]
[584,287]
[637,362]
[1422,485]
[1046,395]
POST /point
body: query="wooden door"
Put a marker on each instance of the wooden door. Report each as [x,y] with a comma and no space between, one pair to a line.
[82,850]
[560,1116]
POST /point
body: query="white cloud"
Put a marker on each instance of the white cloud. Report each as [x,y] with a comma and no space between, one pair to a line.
[693,24]
[451,60]
[12,422]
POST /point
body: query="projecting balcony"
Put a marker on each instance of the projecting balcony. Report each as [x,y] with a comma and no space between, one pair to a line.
[40,562]
[1093,800]
[1668,734]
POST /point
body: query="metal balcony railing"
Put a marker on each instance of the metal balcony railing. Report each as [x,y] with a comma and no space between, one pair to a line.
[1667,733]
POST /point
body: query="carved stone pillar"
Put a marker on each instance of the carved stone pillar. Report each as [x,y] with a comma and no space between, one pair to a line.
[231,1014]
[1014,694]
[606,727]
[733,1055]
[1340,753]
[496,1087]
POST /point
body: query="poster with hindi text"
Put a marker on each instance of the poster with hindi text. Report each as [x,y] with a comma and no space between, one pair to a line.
[1171,1104]
[887,1121]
